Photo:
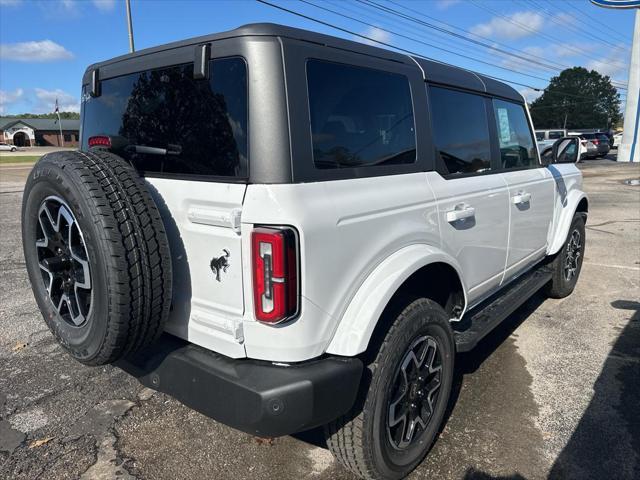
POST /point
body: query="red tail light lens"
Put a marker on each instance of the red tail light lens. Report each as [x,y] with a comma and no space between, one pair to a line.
[99,141]
[595,141]
[275,274]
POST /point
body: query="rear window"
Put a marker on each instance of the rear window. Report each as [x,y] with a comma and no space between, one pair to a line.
[461,131]
[167,123]
[359,116]
[555,134]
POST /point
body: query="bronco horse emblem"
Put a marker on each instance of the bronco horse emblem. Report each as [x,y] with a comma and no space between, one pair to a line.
[220,264]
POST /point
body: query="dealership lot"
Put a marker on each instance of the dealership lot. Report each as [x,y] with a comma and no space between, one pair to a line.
[551,393]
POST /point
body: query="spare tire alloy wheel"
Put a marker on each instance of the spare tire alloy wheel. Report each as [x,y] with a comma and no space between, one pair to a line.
[64,261]
[97,254]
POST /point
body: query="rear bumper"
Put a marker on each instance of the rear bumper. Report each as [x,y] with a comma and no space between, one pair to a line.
[253,396]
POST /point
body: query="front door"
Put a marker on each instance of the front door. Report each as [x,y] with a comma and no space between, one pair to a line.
[531,188]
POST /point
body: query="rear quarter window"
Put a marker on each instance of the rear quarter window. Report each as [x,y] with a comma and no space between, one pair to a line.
[359,116]
[201,124]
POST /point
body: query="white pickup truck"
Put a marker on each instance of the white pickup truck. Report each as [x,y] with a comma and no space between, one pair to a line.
[286,230]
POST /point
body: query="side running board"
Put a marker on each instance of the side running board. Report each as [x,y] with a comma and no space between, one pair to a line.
[479,321]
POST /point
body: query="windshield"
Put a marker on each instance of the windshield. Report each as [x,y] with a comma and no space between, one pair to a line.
[165,122]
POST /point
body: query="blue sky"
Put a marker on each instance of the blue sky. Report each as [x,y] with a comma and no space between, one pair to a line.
[46,44]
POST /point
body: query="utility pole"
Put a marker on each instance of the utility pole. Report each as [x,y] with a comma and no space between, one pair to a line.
[130,24]
[629,148]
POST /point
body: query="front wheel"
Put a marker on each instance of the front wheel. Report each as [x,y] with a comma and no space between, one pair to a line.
[399,412]
[568,262]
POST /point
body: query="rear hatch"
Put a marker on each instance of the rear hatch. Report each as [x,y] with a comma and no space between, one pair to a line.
[188,138]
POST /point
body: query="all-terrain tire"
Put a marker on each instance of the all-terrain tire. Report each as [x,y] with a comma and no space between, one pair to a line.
[560,284]
[115,226]
[360,440]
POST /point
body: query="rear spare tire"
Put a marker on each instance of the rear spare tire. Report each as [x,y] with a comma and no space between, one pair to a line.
[96,253]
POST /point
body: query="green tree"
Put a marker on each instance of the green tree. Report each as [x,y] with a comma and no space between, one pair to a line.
[585,98]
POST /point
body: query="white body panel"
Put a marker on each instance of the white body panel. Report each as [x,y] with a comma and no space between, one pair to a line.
[531,197]
[359,241]
[479,243]
[198,218]
[347,228]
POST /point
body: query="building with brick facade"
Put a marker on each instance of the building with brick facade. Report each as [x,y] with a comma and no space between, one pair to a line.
[41,132]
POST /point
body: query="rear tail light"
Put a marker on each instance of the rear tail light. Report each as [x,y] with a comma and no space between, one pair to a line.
[275,274]
[99,141]
[595,141]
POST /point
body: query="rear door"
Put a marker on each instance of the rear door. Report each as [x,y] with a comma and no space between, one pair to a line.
[531,187]
[188,137]
[473,201]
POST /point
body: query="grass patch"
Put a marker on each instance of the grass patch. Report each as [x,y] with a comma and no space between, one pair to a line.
[19,158]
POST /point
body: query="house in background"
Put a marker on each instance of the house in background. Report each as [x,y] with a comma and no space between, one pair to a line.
[41,132]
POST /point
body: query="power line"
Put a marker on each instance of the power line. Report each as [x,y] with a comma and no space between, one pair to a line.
[386,44]
[417,40]
[449,32]
[598,21]
[572,25]
[459,45]
[386,9]
[522,25]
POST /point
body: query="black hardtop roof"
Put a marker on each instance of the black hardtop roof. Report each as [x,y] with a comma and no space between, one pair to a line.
[433,71]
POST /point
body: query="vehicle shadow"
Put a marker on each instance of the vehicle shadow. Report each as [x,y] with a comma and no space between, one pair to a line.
[598,447]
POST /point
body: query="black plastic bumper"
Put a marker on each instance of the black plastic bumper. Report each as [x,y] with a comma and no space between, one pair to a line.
[253,396]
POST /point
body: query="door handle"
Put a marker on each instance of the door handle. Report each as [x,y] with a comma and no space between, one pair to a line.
[460,212]
[520,198]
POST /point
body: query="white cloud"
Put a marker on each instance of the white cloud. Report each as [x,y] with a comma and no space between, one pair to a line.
[10,3]
[35,51]
[516,25]
[9,98]
[613,64]
[445,4]
[529,94]
[375,33]
[105,5]
[46,99]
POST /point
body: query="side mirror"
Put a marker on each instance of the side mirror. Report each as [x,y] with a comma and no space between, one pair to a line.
[566,150]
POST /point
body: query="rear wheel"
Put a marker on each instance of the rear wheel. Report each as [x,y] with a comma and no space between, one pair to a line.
[568,262]
[96,253]
[397,418]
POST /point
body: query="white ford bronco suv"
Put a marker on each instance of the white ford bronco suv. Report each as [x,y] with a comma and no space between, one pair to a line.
[285,230]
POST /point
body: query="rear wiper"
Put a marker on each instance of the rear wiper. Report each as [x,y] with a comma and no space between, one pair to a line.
[145,149]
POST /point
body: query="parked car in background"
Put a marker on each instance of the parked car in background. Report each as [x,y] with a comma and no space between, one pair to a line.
[5,147]
[601,141]
[590,150]
[617,140]
[587,149]
[554,134]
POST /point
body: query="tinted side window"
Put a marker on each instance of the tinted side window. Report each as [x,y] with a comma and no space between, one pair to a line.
[460,130]
[200,125]
[514,135]
[539,136]
[359,116]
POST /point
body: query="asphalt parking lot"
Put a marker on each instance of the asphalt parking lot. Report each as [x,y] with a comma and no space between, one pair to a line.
[553,393]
